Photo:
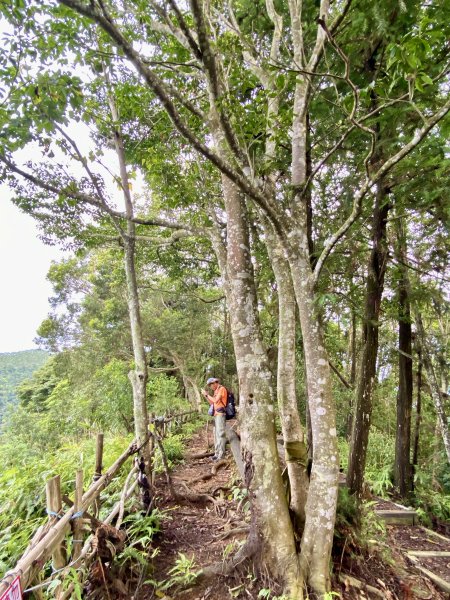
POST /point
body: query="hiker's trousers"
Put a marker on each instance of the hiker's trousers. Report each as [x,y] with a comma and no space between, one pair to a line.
[219,435]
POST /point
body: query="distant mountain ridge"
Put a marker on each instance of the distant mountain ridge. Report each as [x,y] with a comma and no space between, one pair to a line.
[15,367]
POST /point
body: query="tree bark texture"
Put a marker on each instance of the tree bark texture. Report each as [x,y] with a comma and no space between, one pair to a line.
[256,401]
[402,464]
[415,460]
[435,390]
[352,361]
[193,393]
[323,489]
[367,369]
[139,376]
[296,453]
[317,539]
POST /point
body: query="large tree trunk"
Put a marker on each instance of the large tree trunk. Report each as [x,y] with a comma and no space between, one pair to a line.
[270,513]
[367,370]
[323,489]
[402,464]
[296,453]
[317,539]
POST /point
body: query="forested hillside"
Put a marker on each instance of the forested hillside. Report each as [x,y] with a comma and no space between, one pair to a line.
[16,367]
[251,191]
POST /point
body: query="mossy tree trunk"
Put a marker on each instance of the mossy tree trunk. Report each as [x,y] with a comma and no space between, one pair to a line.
[296,453]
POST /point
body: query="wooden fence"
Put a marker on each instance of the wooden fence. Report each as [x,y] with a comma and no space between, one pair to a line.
[49,539]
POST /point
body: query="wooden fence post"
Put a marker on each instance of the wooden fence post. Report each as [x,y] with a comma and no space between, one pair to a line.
[77,525]
[54,507]
[50,537]
[98,470]
[98,457]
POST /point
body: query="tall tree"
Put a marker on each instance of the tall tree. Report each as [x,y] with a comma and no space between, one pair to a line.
[402,464]
[211,73]
[367,368]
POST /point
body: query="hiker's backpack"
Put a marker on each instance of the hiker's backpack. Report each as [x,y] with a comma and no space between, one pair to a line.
[230,409]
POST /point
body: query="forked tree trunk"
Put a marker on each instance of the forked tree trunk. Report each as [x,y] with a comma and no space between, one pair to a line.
[367,369]
[193,393]
[317,539]
[189,382]
[402,464]
[296,453]
[270,514]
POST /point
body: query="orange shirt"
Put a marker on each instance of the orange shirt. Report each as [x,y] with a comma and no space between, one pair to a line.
[220,399]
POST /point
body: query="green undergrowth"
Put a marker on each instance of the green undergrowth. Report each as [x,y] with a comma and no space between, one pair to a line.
[26,470]
[22,486]
[431,496]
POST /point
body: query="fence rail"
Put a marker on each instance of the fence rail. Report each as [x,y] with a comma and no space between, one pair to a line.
[48,540]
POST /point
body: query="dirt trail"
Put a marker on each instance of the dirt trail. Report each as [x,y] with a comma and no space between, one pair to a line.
[205,533]
[202,532]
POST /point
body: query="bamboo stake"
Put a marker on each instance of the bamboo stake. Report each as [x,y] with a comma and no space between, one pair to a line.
[98,457]
[57,531]
[54,508]
[98,469]
[77,526]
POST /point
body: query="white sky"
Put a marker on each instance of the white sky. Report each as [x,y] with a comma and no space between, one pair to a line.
[24,263]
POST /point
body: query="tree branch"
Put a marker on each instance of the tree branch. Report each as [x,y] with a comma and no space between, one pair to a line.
[161,241]
[355,92]
[385,167]
[160,90]
[186,31]
[213,73]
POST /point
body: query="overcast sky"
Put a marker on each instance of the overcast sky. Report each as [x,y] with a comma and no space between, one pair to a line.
[24,262]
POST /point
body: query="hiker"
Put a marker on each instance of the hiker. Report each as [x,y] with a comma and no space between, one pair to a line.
[219,402]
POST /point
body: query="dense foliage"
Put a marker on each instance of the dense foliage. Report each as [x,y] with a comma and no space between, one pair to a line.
[233,124]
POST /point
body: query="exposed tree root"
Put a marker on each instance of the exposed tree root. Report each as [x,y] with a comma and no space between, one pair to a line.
[192,497]
[189,496]
[235,531]
[218,465]
[349,581]
[219,488]
[201,455]
[224,568]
